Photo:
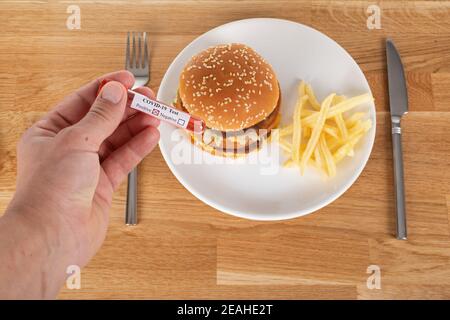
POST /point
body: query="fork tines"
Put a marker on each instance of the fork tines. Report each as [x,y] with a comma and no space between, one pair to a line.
[138,57]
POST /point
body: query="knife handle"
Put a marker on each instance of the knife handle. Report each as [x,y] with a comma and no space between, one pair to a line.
[398,180]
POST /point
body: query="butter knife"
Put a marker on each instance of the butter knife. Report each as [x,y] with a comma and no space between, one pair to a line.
[398,101]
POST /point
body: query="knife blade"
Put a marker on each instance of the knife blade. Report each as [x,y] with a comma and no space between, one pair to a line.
[398,95]
[398,101]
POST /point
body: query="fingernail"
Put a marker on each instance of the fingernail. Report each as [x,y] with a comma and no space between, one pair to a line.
[112,92]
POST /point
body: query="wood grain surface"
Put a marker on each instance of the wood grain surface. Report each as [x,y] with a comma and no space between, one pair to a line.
[183,248]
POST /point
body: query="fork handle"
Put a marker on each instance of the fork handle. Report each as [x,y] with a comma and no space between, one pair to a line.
[131,209]
[398,180]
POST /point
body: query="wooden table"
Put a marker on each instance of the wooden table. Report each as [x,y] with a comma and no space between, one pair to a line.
[189,250]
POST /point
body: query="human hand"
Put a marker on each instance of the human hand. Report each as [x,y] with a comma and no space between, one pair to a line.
[71,161]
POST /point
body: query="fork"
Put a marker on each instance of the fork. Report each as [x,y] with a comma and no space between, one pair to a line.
[137,63]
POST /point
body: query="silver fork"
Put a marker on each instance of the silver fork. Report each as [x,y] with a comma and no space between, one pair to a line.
[137,63]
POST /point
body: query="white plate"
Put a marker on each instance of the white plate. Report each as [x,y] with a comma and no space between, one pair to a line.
[245,189]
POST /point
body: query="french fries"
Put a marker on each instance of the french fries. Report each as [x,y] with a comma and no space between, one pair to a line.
[341,107]
[312,97]
[286,146]
[329,161]
[315,134]
[320,134]
[297,129]
[332,131]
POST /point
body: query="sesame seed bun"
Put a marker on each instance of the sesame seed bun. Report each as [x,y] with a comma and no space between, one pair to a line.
[230,87]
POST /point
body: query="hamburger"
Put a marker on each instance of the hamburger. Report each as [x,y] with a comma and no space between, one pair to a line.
[236,93]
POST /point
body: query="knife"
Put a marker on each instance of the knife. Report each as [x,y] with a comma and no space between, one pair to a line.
[398,101]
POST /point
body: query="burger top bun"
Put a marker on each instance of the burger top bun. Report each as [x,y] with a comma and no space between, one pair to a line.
[230,87]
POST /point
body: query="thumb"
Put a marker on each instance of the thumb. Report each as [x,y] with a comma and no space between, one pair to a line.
[106,112]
